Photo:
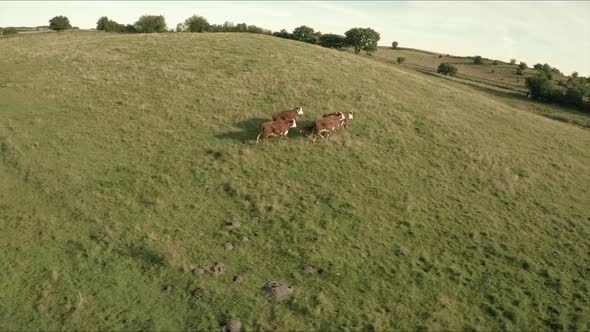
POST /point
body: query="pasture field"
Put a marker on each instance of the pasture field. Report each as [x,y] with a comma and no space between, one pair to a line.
[442,207]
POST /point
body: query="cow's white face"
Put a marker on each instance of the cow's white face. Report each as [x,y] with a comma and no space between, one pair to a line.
[293,124]
[300,111]
[350,116]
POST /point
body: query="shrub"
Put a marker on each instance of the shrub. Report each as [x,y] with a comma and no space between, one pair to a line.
[59,23]
[196,24]
[440,56]
[305,34]
[283,34]
[151,23]
[447,69]
[540,87]
[495,62]
[522,65]
[512,61]
[362,39]
[180,27]
[8,31]
[401,59]
[332,41]
[477,60]
[394,45]
[538,66]
[519,71]
[575,74]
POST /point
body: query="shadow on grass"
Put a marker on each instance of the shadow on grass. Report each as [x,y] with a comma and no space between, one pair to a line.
[248,130]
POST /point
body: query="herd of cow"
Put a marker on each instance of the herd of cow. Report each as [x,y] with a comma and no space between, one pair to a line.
[283,121]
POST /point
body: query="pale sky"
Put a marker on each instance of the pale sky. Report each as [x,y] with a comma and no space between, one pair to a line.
[532,31]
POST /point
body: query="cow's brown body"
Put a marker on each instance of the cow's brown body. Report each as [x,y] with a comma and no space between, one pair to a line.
[288,115]
[326,125]
[275,128]
[345,116]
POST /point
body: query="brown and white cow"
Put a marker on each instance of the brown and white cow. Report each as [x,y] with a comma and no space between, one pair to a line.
[346,117]
[288,115]
[275,128]
[325,125]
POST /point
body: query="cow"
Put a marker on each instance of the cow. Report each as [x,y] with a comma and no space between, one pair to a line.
[323,125]
[347,117]
[288,115]
[275,128]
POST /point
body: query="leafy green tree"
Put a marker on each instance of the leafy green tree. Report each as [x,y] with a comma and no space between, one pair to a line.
[477,60]
[401,59]
[332,41]
[362,39]
[575,74]
[447,69]
[522,65]
[59,23]
[180,27]
[196,23]
[102,23]
[540,87]
[538,66]
[394,45]
[305,34]
[512,61]
[151,23]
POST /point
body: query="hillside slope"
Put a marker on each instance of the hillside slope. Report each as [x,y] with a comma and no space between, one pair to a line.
[122,157]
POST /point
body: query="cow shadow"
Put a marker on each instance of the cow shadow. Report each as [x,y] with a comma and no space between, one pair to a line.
[247,130]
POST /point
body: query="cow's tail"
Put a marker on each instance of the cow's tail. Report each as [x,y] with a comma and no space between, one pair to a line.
[260,134]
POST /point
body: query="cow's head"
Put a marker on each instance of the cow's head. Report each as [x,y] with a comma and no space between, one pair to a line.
[292,123]
[299,110]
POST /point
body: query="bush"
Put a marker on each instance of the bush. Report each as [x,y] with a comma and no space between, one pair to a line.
[305,34]
[151,23]
[401,59]
[540,88]
[196,24]
[59,23]
[575,74]
[394,45]
[332,41]
[538,66]
[519,71]
[495,62]
[478,60]
[512,61]
[283,34]
[440,56]
[447,69]
[362,39]
[8,31]
[105,24]
[522,65]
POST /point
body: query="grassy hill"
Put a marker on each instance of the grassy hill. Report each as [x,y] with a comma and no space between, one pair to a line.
[123,156]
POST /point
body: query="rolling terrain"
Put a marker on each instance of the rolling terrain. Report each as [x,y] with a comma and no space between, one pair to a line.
[122,157]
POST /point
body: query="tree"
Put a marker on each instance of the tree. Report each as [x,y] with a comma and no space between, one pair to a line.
[332,41]
[519,71]
[495,62]
[283,34]
[151,23]
[575,74]
[362,39]
[305,34]
[102,23]
[477,60]
[512,61]
[394,45]
[540,87]
[447,69]
[522,65]
[538,66]
[180,27]
[401,59]
[196,24]
[59,23]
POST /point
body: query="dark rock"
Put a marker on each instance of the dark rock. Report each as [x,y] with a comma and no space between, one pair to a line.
[198,292]
[238,279]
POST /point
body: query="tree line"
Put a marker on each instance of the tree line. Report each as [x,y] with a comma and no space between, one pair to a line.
[359,39]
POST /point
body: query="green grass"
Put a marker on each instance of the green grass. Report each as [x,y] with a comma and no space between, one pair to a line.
[121,157]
